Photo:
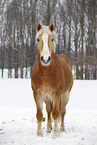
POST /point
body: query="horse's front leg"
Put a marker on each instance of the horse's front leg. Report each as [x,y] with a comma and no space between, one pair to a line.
[39,119]
[39,115]
[49,106]
[55,114]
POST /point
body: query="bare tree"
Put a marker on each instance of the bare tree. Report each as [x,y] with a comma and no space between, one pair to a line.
[75,23]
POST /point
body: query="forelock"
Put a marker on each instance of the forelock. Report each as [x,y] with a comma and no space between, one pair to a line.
[45,29]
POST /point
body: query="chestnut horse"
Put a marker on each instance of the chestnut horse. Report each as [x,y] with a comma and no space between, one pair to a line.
[51,80]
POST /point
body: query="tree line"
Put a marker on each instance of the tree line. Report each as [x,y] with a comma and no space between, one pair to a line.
[75,24]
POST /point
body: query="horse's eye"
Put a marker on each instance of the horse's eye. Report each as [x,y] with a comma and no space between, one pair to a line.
[52,40]
[38,40]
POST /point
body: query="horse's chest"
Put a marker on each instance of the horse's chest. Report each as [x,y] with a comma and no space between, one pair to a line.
[46,88]
[47,82]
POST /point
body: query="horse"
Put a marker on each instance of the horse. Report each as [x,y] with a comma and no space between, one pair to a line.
[51,80]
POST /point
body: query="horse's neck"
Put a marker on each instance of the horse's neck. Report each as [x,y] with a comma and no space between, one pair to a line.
[50,68]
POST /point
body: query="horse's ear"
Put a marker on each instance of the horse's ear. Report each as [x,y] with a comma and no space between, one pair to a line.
[39,26]
[51,27]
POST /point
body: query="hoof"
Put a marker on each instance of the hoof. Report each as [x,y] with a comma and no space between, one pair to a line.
[40,133]
[56,134]
[49,129]
[62,129]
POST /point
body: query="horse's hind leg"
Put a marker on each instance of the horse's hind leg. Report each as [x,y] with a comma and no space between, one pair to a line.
[62,128]
[49,107]
[64,101]
[39,114]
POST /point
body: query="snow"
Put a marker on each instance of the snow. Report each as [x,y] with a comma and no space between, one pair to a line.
[18,124]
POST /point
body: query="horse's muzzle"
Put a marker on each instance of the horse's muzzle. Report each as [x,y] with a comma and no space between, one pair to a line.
[45,62]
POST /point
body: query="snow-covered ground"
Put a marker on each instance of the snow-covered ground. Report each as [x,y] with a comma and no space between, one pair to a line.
[18,122]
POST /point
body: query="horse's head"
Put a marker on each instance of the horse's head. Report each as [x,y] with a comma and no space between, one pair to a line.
[45,43]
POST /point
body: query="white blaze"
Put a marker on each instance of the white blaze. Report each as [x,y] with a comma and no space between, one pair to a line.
[45,53]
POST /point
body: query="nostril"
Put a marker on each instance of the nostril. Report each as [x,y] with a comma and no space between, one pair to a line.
[49,58]
[42,58]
